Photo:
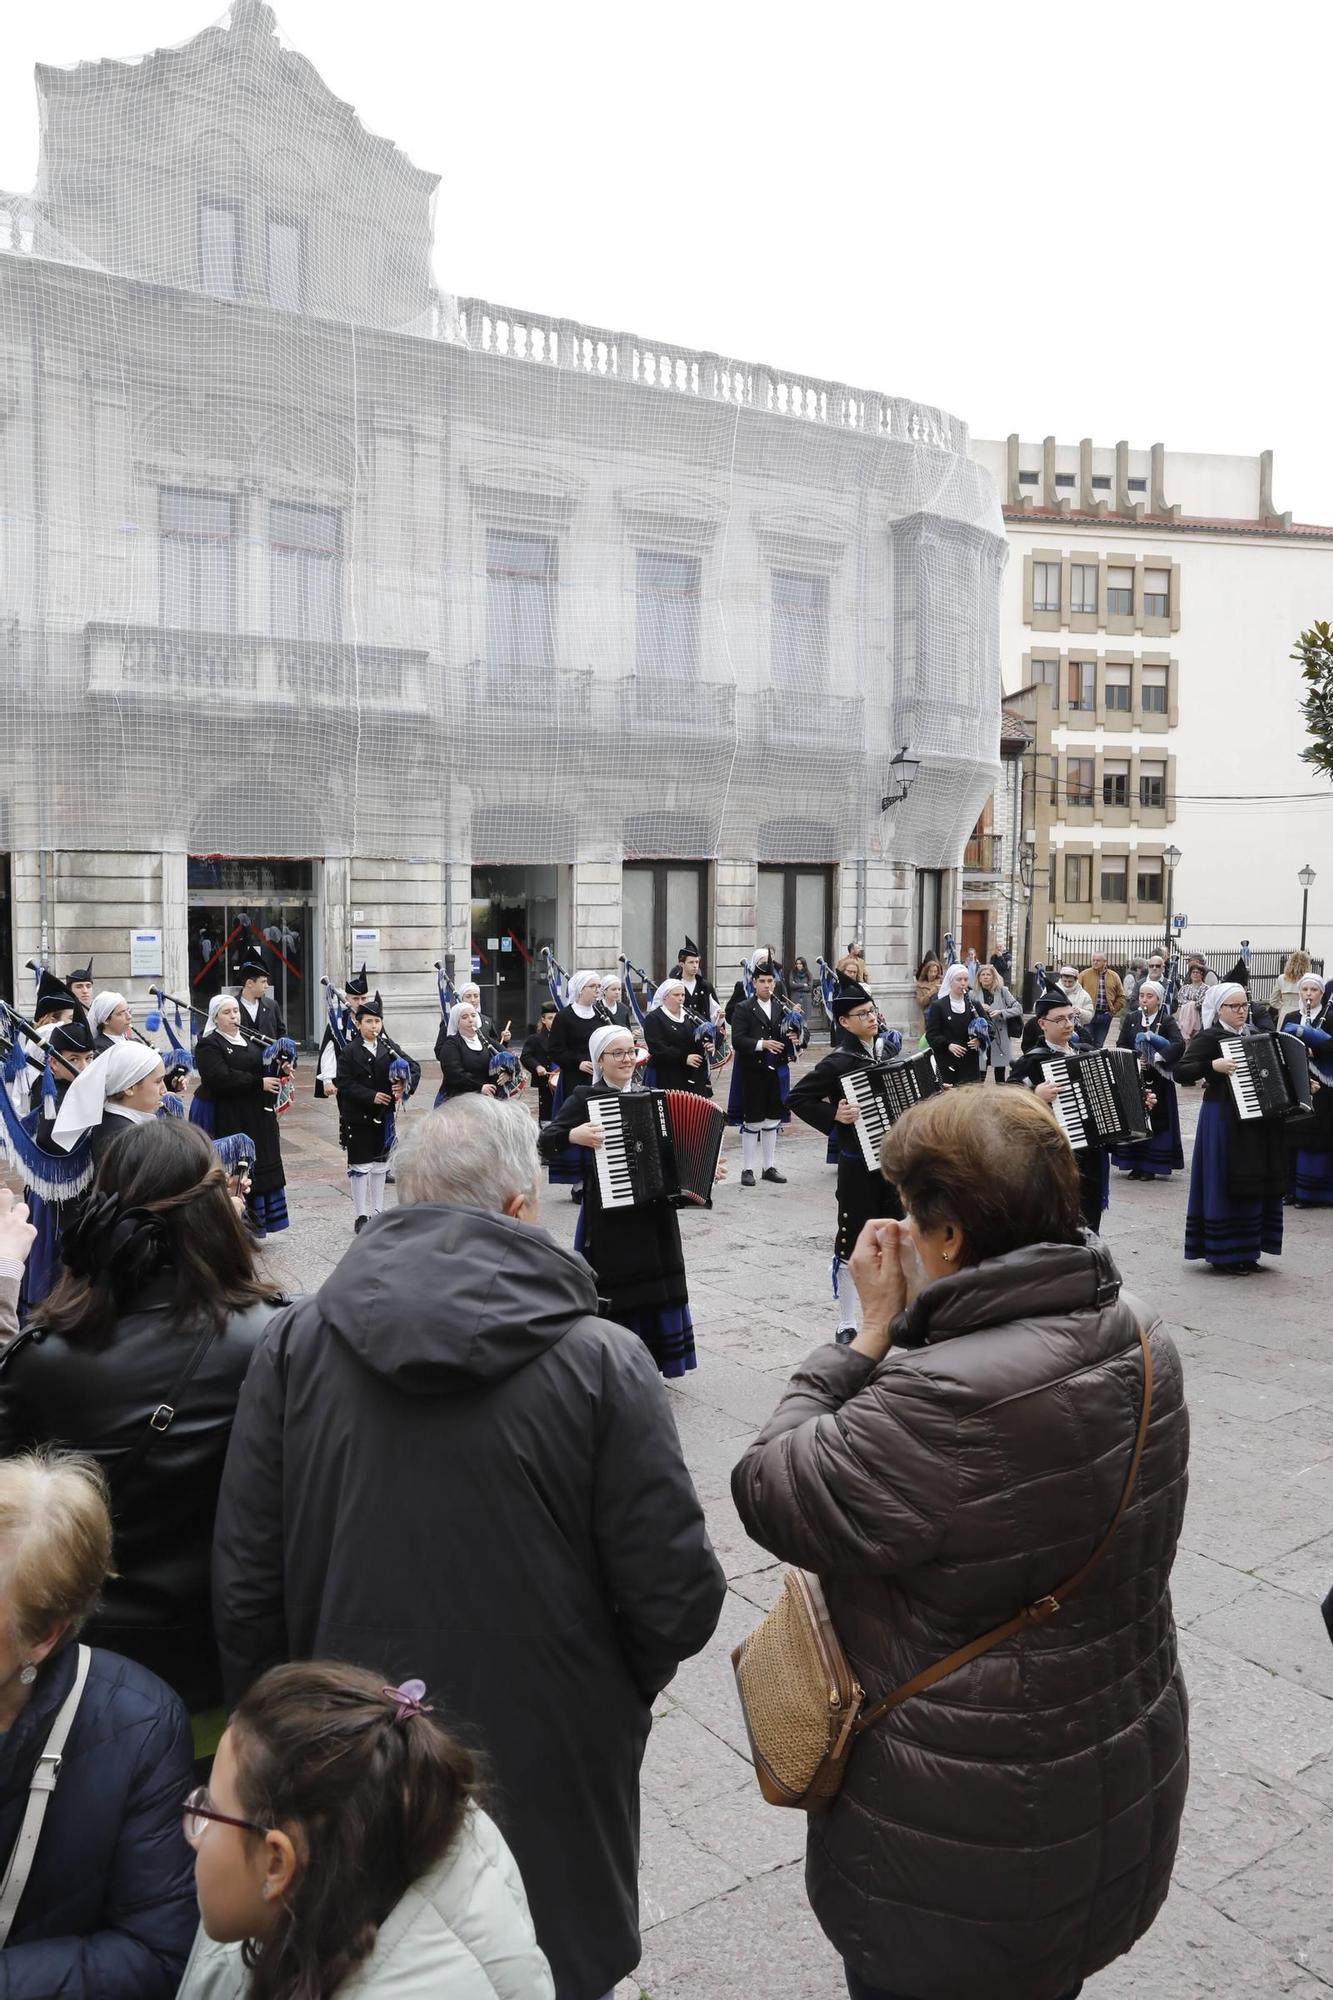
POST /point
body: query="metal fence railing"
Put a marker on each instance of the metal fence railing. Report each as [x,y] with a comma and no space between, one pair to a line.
[1121,946]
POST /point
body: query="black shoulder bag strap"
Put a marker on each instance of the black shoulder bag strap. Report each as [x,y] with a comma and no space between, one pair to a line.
[161,1419]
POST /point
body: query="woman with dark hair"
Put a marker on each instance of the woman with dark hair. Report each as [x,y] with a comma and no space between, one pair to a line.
[928,976]
[136,1357]
[339,1848]
[1010,1829]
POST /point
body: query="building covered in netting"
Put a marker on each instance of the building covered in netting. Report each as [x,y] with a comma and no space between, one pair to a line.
[345,616]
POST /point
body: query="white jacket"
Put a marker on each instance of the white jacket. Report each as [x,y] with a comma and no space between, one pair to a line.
[461,1933]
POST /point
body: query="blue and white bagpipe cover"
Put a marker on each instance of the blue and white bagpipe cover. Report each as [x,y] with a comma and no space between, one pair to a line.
[281,1054]
[507,1073]
[235,1150]
[400,1075]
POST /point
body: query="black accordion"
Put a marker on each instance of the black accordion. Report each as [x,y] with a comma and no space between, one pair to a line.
[657,1145]
[1272,1075]
[1101,1097]
[882,1092]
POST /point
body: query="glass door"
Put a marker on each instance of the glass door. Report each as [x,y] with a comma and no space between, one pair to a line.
[663,903]
[795,913]
[514,913]
[260,909]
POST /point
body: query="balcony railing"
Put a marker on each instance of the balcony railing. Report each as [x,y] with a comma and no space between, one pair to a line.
[153,660]
[984,854]
[816,723]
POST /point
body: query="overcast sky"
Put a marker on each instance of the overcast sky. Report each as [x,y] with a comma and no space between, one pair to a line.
[1080,221]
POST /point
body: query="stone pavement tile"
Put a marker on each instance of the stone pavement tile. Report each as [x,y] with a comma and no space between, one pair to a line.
[1247,1522]
[1285,1368]
[1284,1898]
[1194,1952]
[1307,1571]
[1250,1720]
[738,1555]
[711,1465]
[1250,1397]
[705,1687]
[760,1587]
[742,1391]
[1257,1448]
[698,1422]
[1277,1629]
[754,1842]
[760,1942]
[1199,1585]
[1233,1819]
[686,1764]
[1311,1427]
[677,1871]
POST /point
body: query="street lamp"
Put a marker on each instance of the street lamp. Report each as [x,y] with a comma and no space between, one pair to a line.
[902,777]
[1170,861]
[1306,880]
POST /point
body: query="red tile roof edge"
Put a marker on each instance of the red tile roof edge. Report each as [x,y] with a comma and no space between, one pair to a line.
[1182,524]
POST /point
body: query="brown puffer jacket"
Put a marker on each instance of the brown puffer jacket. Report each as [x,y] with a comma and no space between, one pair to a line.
[1012,1829]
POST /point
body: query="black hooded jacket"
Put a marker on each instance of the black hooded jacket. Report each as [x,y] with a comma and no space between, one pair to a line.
[444,1465]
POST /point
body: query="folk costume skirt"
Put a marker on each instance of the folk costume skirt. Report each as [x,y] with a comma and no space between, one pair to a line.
[1162,1153]
[1218,1228]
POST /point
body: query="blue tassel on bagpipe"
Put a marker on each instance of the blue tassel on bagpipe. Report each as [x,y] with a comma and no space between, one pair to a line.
[171,1106]
[54,1176]
[235,1150]
[50,1095]
[444,986]
[400,1071]
[283,1050]
[826,986]
[557,979]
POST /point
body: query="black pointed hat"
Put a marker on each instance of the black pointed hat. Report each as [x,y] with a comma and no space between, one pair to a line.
[71,1038]
[372,1005]
[1239,975]
[1054,996]
[80,972]
[688,950]
[251,967]
[52,996]
[848,995]
[360,984]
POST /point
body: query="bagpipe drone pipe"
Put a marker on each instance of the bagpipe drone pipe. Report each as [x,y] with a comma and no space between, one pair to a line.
[280,1051]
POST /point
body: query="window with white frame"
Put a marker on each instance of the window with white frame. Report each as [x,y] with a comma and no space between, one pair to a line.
[1152,691]
[305,572]
[1152,785]
[667,624]
[196,561]
[1115,782]
[1117,689]
[1149,880]
[1046,673]
[1079,774]
[1083,685]
[1083,589]
[219,247]
[799,644]
[1078,878]
[1156,592]
[1119,593]
[1115,878]
[520,601]
[1045,586]
[285,264]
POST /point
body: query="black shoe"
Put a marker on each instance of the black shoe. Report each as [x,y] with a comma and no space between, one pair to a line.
[772,1174]
[359,1224]
[747,1178]
[576,1194]
[845,1336]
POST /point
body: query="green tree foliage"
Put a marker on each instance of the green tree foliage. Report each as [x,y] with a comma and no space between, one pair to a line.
[1314,650]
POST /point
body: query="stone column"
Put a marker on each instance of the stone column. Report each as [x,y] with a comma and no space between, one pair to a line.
[335,921]
[597,914]
[735,920]
[175,923]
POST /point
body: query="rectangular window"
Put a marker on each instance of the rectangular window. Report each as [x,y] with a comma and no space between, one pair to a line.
[1150,882]
[1078,878]
[1115,879]
[928,914]
[1152,786]
[1046,673]
[1083,684]
[1079,773]
[305,573]
[1119,593]
[220,248]
[285,264]
[799,640]
[1156,592]
[1064,478]
[1117,690]
[667,626]
[1028,478]
[1115,783]
[1055,782]
[196,558]
[1153,691]
[520,602]
[1083,588]
[1101,482]
[1045,586]
[1138,485]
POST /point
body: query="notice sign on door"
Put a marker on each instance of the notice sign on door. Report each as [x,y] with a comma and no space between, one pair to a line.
[145,954]
[366,949]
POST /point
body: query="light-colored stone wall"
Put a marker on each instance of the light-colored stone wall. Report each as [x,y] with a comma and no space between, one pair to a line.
[597,897]
[93,901]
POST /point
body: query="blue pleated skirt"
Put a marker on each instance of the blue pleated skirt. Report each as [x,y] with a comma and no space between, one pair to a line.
[1218,1228]
[1312,1178]
[204,1114]
[43,1262]
[566,1169]
[268,1211]
[666,1331]
[1162,1152]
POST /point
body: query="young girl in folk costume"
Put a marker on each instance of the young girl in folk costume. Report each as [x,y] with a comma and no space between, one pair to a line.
[635,1253]
[678,1058]
[1156,1039]
[567,1047]
[1238,1175]
[1310,1139]
[374,1079]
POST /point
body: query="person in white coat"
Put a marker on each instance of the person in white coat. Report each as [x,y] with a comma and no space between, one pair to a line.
[340,1850]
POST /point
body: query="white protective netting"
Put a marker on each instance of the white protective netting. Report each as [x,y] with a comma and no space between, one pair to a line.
[300,556]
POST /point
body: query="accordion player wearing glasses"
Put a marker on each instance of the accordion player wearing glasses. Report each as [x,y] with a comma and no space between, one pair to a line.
[627,1227]
[1238,1174]
[1096,1111]
[828,1098]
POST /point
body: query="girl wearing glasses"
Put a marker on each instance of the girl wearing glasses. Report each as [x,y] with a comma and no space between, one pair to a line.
[339,1848]
[1238,1175]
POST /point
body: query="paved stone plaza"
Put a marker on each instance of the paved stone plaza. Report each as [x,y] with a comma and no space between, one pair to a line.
[724,1914]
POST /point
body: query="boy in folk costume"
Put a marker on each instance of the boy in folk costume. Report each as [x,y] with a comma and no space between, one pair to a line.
[762,1051]
[374,1078]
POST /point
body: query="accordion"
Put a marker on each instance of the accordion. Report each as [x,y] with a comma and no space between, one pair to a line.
[656,1145]
[882,1092]
[1101,1097]
[1272,1075]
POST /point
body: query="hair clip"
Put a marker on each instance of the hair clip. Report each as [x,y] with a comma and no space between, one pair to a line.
[408,1700]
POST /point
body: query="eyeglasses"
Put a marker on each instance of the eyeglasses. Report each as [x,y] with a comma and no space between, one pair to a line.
[198,1814]
[863,1014]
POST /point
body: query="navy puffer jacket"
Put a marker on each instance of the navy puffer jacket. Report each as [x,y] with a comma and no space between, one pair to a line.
[109,1911]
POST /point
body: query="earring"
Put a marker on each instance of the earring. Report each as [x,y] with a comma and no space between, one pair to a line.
[948,1256]
[267,1889]
[27,1674]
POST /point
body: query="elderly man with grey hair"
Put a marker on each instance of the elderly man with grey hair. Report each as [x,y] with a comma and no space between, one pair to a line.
[446,1467]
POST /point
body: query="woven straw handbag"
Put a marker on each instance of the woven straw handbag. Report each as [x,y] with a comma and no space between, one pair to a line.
[804,1707]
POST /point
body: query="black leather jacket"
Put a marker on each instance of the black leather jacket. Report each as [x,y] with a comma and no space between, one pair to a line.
[155,1608]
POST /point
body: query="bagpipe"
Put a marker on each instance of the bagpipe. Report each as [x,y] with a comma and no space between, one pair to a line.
[340,1018]
[178,1058]
[826,985]
[506,1068]
[1318,1045]
[949,955]
[236,1156]
[557,979]
[280,1051]
[1171,984]
[637,1005]
[445,988]
[82,1012]
[55,1176]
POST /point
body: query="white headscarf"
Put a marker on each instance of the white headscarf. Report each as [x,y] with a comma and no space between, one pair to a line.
[612,979]
[473,991]
[220,1000]
[597,1047]
[104,1004]
[665,991]
[1310,979]
[1216,996]
[946,991]
[578,981]
[452,1027]
[1149,986]
[116,1069]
